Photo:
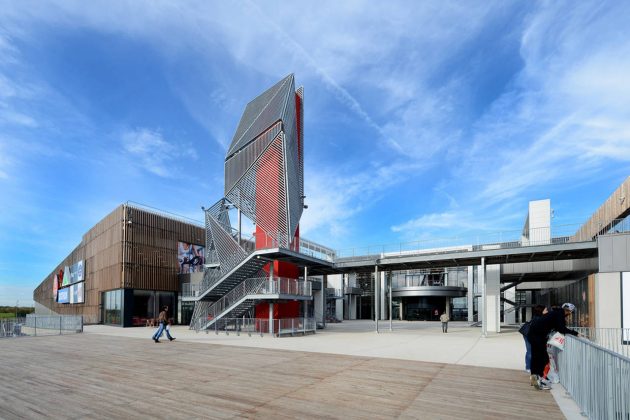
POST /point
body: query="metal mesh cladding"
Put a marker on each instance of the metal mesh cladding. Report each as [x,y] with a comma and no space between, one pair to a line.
[228,250]
[261,113]
[238,164]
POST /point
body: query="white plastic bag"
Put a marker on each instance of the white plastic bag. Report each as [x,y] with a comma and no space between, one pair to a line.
[557,340]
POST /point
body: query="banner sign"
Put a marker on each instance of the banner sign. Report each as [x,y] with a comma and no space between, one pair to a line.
[190,257]
[73,274]
[63,295]
[76,293]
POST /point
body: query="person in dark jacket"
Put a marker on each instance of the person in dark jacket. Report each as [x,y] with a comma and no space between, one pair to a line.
[537,312]
[539,329]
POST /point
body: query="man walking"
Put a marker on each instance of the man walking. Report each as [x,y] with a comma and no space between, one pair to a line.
[444,318]
[162,321]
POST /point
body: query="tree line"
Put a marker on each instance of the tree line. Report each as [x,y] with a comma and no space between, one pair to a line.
[21,310]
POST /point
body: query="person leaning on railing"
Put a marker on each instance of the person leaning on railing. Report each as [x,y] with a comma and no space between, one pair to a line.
[539,329]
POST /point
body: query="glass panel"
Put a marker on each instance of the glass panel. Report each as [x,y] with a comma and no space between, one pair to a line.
[113,307]
[167,299]
[143,308]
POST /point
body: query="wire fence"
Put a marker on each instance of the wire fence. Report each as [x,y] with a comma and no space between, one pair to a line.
[596,378]
[39,325]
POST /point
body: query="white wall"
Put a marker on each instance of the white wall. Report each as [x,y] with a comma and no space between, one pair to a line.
[492,308]
[537,227]
[608,300]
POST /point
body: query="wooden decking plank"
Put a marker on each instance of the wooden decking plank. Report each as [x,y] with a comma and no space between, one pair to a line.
[93,376]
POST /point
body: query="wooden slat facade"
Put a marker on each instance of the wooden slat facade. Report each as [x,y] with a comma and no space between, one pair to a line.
[145,241]
[617,206]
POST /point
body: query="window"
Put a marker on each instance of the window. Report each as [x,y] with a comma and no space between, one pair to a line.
[113,307]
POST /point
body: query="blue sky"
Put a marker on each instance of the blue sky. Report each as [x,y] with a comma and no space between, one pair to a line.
[422,119]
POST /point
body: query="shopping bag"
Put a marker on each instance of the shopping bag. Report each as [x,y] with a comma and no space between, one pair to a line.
[557,340]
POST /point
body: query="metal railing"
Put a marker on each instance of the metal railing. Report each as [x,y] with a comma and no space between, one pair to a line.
[253,286]
[333,293]
[596,378]
[316,250]
[614,339]
[493,240]
[191,289]
[38,325]
[260,326]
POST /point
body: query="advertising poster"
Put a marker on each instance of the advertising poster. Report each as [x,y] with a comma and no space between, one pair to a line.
[190,257]
[63,295]
[76,272]
[76,293]
[55,286]
[66,276]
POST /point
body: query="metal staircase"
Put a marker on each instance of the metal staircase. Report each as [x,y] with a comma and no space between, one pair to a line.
[245,295]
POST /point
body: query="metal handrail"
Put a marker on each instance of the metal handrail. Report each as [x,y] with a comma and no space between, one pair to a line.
[616,340]
[253,286]
[596,378]
[261,326]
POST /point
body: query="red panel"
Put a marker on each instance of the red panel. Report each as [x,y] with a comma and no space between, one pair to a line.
[268,190]
[280,310]
[283,269]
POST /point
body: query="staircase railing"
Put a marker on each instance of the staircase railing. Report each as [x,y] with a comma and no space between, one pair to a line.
[248,245]
[253,286]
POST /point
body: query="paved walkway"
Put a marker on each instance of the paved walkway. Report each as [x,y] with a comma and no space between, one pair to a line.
[108,373]
[420,341]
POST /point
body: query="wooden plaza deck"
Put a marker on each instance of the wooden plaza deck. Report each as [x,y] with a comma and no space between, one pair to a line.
[94,376]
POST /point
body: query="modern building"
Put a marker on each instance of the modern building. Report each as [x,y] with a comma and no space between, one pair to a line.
[250,265]
[125,268]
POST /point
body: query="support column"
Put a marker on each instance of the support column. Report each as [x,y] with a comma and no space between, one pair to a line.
[390,301]
[271,303]
[376,296]
[324,299]
[305,304]
[470,294]
[482,307]
[401,309]
[492,298]
[382,287]
[447,305]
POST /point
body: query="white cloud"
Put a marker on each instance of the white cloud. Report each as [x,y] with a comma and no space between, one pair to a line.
[570,108]
[149,150]
[335,197]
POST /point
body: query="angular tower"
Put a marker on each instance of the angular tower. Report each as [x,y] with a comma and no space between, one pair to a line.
[264,170]
[264,181]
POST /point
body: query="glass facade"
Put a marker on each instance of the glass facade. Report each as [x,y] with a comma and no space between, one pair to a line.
[146,305]
[113,307]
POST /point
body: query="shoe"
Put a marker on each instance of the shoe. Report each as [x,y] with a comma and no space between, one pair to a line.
[156,340]
[544,386]
[171,339]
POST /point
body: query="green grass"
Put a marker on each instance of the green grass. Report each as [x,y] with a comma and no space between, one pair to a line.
[7,315]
